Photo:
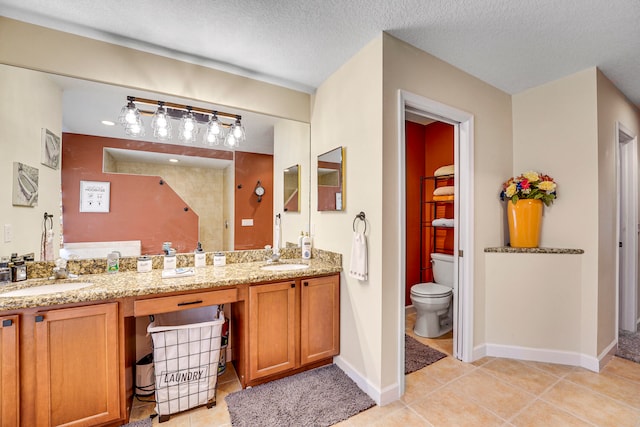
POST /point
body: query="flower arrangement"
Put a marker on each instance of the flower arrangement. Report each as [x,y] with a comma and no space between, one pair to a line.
[529,185]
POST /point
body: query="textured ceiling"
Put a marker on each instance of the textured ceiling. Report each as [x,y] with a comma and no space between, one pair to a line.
[511,44]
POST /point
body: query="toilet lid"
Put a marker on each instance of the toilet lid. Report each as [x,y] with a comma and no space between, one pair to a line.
[431,290]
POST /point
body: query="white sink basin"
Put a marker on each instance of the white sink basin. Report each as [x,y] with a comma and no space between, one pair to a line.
[284,267]
[46,289]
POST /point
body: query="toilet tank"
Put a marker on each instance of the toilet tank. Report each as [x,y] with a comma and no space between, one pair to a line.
[442,269]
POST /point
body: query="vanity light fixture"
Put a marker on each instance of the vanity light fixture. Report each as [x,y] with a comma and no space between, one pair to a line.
[216,131]
[160,123]
[108,123]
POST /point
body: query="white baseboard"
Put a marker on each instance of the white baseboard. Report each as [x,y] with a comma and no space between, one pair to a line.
[543,355]
[381,397]
[608,353]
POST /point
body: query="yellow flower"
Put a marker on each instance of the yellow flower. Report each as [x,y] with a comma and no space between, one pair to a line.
[511,190]
[531,176]
[547,186]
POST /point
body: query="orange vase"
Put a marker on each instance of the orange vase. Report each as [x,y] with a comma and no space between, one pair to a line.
[524,219]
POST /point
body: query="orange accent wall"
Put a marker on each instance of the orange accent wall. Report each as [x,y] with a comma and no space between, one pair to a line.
[140,208]
[415,156]
[249,169]
[427,148]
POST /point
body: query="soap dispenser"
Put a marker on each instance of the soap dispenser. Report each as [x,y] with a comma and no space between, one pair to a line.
[200,258]
[306,246]
[300,239]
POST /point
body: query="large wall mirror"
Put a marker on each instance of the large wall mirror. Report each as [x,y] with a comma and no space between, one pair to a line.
[292,189]
[160,190]
[331,195]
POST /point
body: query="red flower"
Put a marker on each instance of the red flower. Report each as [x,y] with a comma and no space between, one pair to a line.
[524,184]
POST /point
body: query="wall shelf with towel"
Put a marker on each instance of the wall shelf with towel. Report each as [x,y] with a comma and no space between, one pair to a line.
[436,216]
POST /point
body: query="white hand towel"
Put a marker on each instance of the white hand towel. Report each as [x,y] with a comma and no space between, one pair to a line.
[358,268]
[442,222]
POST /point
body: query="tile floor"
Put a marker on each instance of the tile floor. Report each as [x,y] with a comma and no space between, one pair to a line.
[488,392]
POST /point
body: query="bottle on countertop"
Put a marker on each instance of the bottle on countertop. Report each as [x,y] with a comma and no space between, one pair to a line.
[300,239]
[306,246]
[200,258]
[170,261]
[113,262]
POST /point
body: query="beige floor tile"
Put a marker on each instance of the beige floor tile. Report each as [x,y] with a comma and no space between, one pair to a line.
[447,369]
[213,417]
[446,408]
[489,392]
[482,361]
[142,411]
[551,368]
[401,418]
[591,406]
[541,413]
[623,368]
[519,374]
[181,419]
[372,415]
[611,385]
[418,385]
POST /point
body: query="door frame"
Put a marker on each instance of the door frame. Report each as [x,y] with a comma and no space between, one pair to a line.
[464,219]
[627,217]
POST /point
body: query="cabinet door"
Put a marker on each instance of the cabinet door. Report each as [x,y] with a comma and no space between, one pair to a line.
[77,365]
[272,342]
[319,318]
[9,371]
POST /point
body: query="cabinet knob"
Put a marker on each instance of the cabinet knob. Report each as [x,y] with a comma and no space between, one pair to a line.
[39,319]
[293,285]
[306,283]
[7,323]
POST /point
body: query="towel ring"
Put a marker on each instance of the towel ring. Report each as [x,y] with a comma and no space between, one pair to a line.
[361,216]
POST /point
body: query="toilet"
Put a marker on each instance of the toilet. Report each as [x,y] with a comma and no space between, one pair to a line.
[432,300]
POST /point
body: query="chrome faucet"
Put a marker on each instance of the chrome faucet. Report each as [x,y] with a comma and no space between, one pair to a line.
[60,270]
[272,255]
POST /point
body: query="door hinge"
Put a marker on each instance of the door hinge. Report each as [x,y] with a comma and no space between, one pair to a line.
[460,253]
[619,244]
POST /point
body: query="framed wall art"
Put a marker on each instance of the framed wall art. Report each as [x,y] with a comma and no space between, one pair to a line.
[94,196]
[50,151]
[25,185]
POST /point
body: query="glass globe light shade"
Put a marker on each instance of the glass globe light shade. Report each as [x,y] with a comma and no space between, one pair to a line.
[161,124]
[188,127]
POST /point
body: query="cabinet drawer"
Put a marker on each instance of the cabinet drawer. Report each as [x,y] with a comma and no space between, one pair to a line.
[149,306]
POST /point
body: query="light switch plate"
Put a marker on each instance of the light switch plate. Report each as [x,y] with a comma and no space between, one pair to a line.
[8,233]
[247,222]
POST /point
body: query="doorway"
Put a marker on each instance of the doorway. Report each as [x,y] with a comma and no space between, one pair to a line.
[628,229]
[462,123]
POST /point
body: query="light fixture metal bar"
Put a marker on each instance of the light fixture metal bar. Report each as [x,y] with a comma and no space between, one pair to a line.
[183,107]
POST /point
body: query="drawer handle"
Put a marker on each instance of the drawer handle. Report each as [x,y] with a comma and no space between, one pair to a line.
[190,303]
[7,323]
[293,285]
[39,319]
[306,283]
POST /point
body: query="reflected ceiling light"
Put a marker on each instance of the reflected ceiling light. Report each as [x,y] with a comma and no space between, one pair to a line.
[108,123]
[160,123]
[173,160]
[214,132]
[188,127]
[217,131]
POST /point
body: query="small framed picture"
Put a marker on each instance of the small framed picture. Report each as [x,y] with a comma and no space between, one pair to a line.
[25,185]
[50,152]
[94,196]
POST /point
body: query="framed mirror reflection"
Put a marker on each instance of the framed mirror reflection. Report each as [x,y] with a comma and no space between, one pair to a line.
[292,189]
[331,194]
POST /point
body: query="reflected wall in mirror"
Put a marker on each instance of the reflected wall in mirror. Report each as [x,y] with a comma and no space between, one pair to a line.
[292,189]
[331,195]
[212,187]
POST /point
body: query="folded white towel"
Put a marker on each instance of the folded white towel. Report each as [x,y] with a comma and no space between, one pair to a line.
[445,170]
[358,268]
[178,272]
[442,222]
[447,190]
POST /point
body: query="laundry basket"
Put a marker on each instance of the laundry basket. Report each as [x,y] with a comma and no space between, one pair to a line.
[186,352]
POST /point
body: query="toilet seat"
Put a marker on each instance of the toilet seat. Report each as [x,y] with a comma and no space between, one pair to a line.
[431,290]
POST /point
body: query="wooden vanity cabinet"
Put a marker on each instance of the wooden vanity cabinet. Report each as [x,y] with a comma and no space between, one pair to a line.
[78,366]
[9,371]
[292,325]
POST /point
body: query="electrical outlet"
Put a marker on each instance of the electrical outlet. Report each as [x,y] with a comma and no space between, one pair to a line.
[8,233]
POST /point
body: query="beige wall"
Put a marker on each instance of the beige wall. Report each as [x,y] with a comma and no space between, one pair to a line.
[347,112]
[39,48]
[291,147]
[201,188]
[612,107]
[410,69]
[555,131]
[20,141]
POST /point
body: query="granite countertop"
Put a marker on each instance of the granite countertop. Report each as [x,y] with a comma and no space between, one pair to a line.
[130,284]
[510,250]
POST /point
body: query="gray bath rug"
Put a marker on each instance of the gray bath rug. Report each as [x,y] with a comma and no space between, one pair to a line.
[418,355]
[629,345]
[145,422]
[321,397]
